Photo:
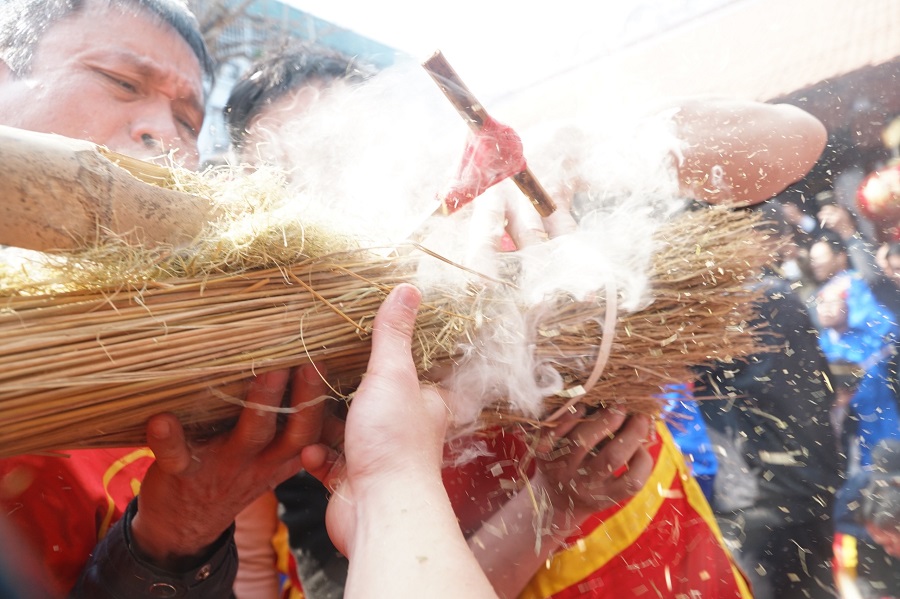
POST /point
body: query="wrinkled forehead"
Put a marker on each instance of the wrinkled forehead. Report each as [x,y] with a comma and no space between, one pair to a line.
[170,14]
[138,35]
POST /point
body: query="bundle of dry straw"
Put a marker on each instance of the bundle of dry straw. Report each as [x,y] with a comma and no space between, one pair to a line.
[119,333]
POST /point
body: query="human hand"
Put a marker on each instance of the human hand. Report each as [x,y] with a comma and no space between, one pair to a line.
[588,463]
[838,219]
[881,259]
[394,431]
[192,492]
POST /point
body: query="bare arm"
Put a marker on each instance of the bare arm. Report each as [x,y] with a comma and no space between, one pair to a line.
[741,152]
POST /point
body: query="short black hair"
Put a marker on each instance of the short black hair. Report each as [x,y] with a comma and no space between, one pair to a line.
[272,78]
[23,23]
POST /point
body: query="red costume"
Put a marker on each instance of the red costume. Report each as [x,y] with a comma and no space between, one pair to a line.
[663,541]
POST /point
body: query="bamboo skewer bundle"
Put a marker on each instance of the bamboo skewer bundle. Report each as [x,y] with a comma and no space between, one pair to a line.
[87,367]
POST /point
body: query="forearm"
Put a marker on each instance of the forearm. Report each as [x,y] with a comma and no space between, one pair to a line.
[517,540]
[117,571]
[421,535]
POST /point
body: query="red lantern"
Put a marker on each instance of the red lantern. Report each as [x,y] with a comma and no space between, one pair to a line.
[878,198]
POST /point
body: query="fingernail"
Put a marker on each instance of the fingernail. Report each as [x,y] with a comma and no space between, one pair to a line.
[307,373]
[160,429]
[409,296]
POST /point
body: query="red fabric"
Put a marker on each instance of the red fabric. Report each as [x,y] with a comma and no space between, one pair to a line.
[677,552]
[491,155]
[62,506]
[474,487]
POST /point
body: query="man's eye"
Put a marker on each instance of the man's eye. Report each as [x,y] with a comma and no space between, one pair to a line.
[125,85]
[187,125]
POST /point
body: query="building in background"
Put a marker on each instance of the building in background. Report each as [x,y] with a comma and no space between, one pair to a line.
[239,32]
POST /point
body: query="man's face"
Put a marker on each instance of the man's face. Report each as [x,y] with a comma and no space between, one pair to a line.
[888,538]
[825,263]
[832,311]
[113,77]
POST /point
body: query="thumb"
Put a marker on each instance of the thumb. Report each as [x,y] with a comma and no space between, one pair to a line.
[165,437]
[392,331]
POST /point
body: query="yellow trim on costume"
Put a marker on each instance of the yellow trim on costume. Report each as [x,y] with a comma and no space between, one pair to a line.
[697,500]
[284,563]
[623,528]
[849,555]
[110,473]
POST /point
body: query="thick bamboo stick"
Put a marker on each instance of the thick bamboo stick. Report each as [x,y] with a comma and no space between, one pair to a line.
[61,194]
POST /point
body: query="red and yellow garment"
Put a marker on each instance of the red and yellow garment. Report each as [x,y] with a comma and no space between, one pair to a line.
[91,487]
[663,542]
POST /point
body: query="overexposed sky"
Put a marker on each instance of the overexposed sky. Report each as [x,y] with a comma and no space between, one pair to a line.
[500,46]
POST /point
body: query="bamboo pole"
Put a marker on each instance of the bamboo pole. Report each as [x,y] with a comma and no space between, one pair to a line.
[61,194]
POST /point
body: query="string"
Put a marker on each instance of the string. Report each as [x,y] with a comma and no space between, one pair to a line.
[606,340]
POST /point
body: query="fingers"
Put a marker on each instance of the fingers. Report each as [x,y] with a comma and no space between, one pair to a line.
[486,226]
[561,222]
[256,427]
[333,430]
[619,451]
[308,396]
[166,439]
[323,463]
[600,427]
[524,223]
[563,426]
[639,468]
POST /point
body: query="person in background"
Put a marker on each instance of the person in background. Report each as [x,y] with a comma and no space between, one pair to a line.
[867,523]
[888,259]
[855,330]
[273,94]
[778,455]
[279,90]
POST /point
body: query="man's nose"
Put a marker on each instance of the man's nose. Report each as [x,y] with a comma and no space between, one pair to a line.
[155,132]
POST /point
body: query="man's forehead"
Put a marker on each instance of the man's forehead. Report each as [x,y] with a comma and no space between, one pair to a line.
[134,45]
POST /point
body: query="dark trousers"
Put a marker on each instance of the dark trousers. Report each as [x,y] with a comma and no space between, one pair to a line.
[783,559]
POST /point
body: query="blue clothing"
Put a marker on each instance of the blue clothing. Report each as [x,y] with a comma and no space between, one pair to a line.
[869,343]
[874,409]
[870,326]
[688,429]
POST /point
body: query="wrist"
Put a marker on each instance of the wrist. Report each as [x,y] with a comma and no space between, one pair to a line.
[167,548]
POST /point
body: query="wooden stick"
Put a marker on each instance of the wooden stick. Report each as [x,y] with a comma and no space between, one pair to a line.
[474,114]
[61,194]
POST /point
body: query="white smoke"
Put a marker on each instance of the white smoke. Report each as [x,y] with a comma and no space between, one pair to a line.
[380,155]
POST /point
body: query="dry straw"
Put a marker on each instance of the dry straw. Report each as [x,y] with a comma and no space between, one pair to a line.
[97,342]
